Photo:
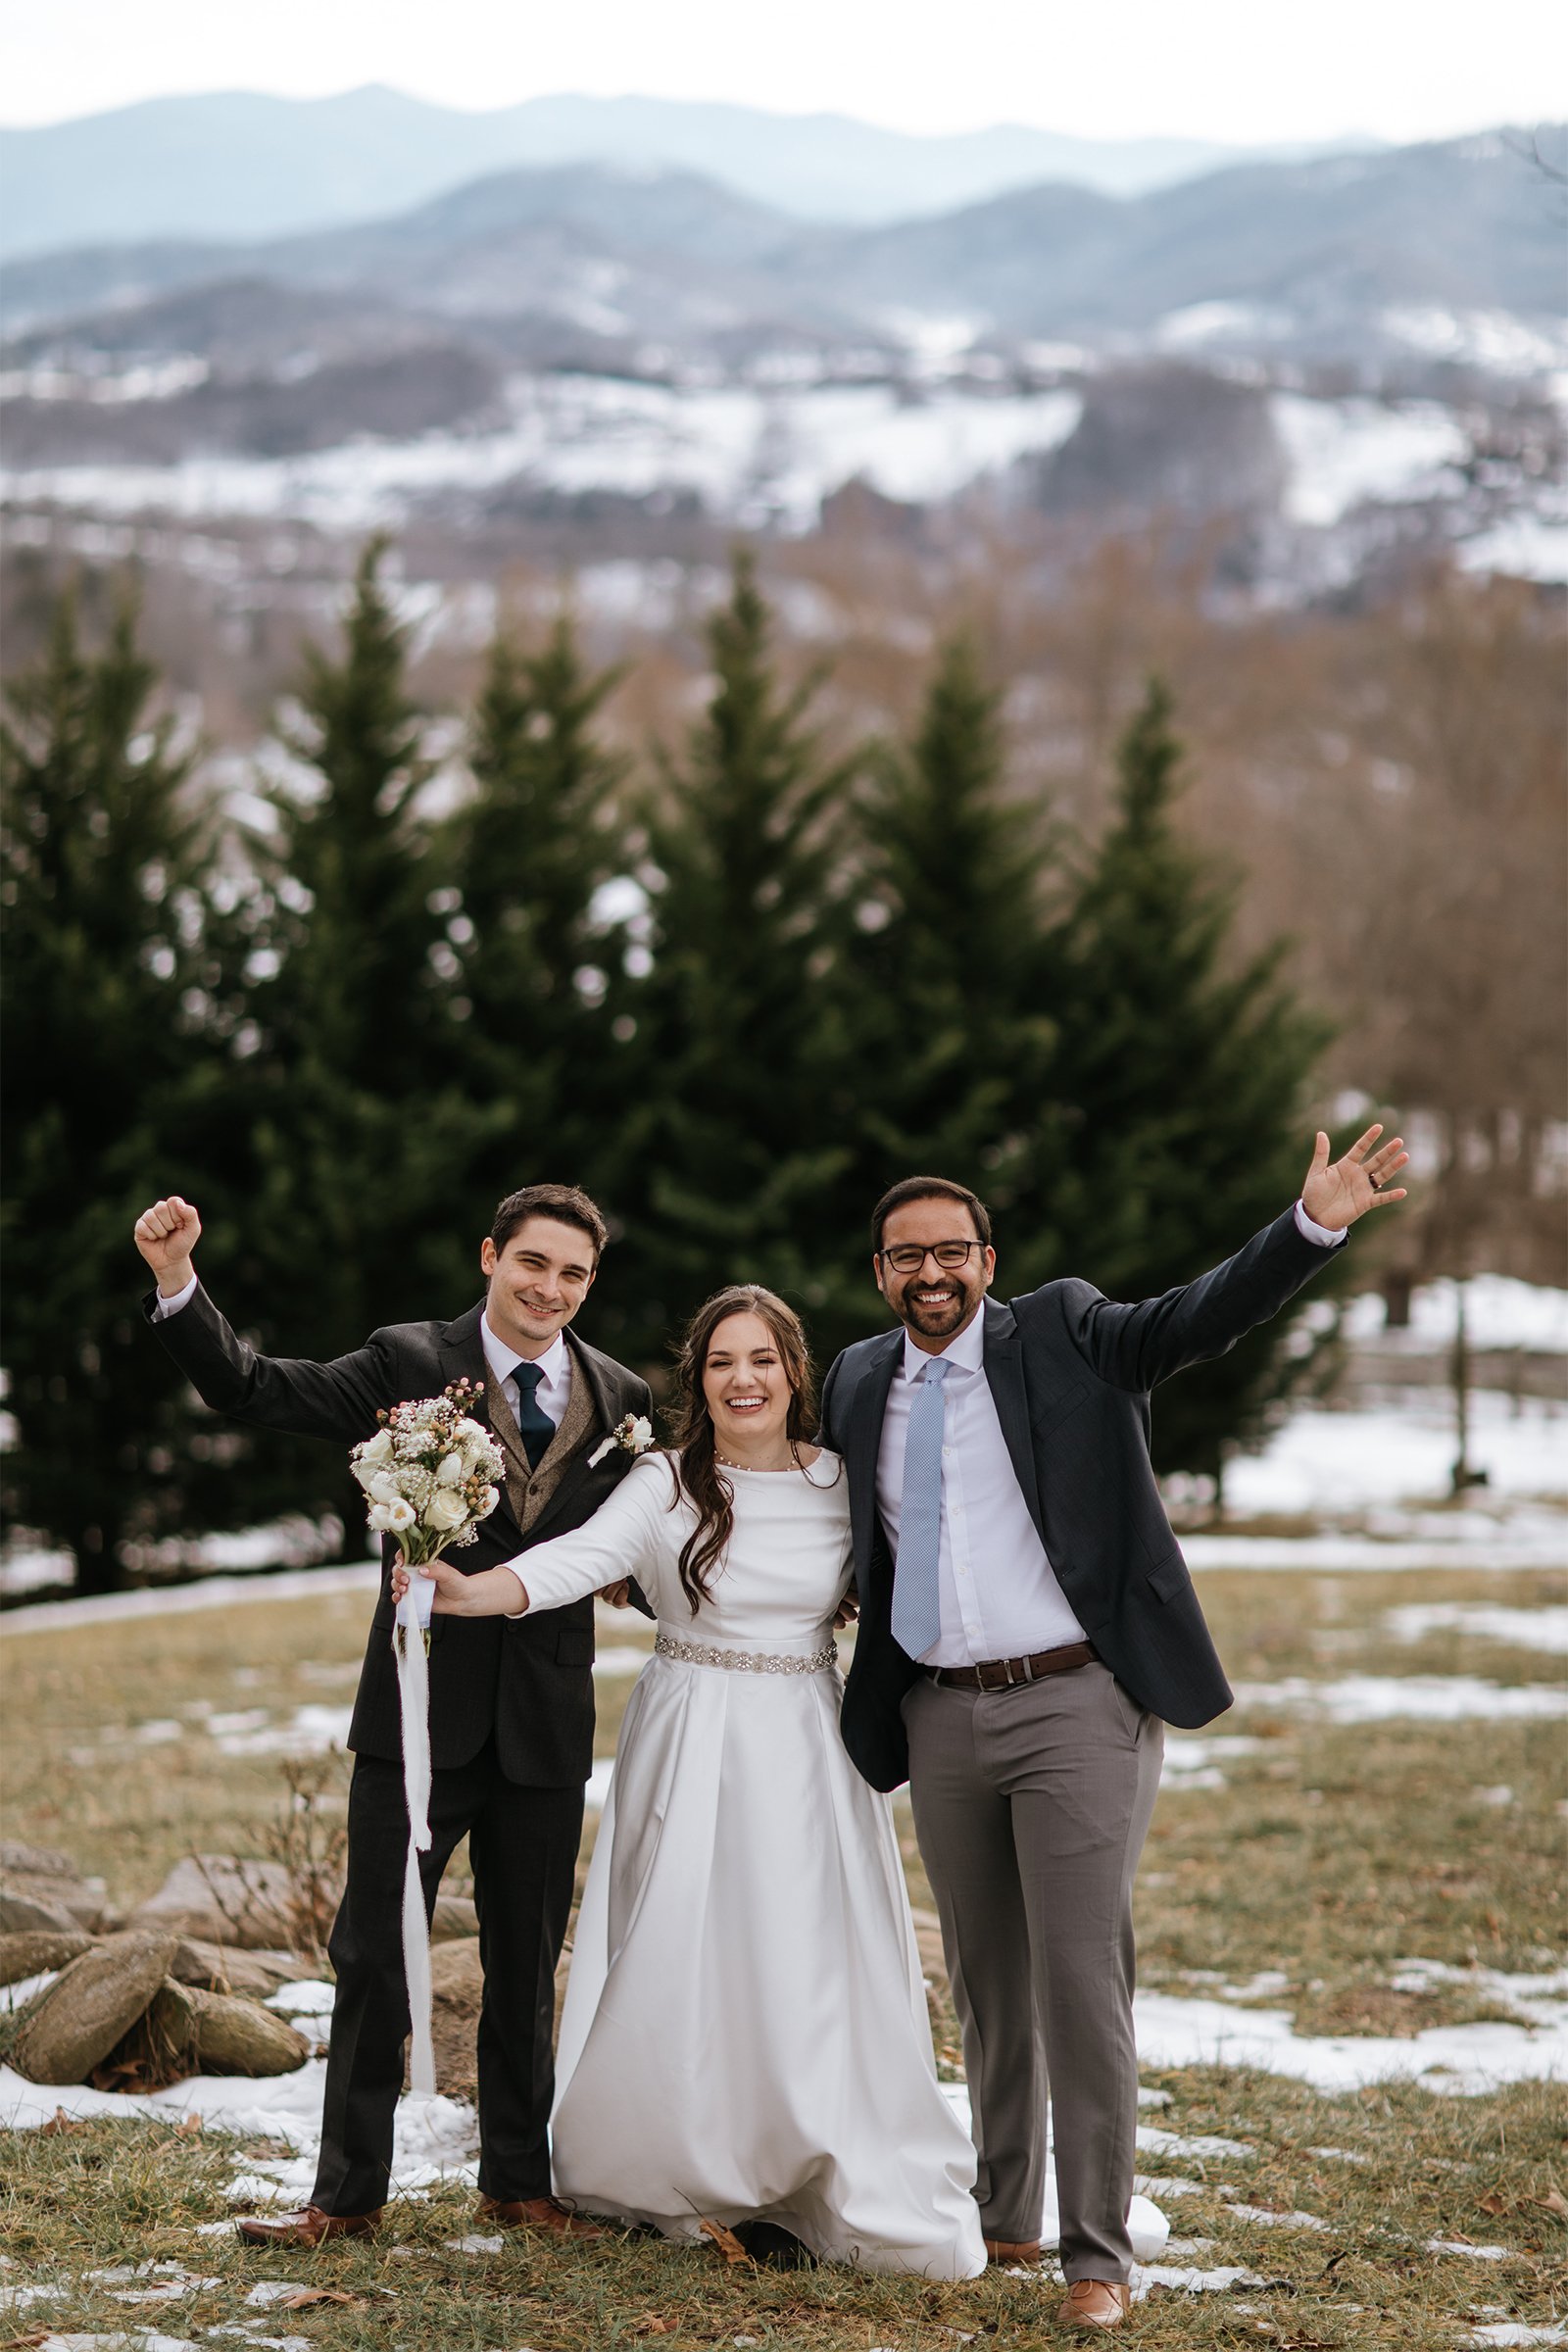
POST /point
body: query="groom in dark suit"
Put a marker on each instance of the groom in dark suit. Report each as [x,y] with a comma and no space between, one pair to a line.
[1027,1628]
[512,1708]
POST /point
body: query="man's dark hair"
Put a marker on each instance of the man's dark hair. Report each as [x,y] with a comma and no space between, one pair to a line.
[562,1203]
[928,1188]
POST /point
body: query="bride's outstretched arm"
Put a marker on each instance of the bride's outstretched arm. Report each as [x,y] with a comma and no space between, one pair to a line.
[621,1540]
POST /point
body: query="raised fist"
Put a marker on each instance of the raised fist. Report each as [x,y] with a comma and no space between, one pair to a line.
[166,1235]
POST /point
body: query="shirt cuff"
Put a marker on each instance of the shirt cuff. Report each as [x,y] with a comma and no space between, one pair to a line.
[171,1305]
[1323,1235]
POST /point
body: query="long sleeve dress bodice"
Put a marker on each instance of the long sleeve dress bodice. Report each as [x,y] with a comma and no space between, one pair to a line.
[783,1575]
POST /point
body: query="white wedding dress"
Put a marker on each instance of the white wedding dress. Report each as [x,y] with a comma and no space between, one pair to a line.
[745,2032]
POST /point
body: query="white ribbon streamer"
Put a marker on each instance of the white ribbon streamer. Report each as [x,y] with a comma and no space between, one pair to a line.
[414,1700]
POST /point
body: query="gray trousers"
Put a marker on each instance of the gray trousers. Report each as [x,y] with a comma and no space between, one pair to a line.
[1031,1806]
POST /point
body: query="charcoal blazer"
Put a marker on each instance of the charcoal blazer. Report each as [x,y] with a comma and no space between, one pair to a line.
[1070,1372]
[527,1682]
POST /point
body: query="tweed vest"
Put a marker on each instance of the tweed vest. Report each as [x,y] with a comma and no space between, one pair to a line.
[529,1489]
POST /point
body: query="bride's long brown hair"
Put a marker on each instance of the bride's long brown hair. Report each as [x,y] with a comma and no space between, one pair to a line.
[698,1472]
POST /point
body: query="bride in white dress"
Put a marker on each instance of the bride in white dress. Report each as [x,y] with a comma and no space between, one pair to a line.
[745,2035]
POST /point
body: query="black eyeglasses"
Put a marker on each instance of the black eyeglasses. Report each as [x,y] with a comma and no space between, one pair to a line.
[907,1257]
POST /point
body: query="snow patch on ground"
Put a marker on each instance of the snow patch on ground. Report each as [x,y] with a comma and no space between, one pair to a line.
[1469,1539]
[1514,2331]
[1423,1698]
[213,1592]
[1345,452]
[1175,2031]
[1334,1462]
[1268,2218]
[744,452]
[1192,1759]
[1526,547]
[1498,1312]
[1545,1629]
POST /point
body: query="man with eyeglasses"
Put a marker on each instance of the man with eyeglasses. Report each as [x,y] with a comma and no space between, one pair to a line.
[1027,1628]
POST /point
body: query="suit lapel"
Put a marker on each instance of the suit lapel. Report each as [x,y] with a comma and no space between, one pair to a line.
[864,1441]
[1004,1363]
[590,1377]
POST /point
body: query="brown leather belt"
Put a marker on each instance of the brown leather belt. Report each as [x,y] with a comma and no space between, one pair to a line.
[1002,1674]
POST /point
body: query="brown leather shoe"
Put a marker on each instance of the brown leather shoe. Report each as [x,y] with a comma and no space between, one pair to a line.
[538,2213]
[1004,2249]
[1096,2303]
[306,2228]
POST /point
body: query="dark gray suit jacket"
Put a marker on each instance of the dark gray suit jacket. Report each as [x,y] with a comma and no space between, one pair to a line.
[528,1682]
[1070,1371]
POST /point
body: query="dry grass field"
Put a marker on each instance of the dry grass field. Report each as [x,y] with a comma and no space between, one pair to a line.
[1300,1871]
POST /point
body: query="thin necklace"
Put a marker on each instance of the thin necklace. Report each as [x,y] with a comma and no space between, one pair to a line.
[776,1468]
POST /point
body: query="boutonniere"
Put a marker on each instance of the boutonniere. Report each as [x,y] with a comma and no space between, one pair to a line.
[632,1436]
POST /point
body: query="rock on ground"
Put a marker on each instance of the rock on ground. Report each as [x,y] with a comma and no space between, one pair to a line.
[36,1949]
[49,1882]
[225,1968]
[216,1899]
[455,1916]
[89,2007]
[456,1983]
[218,2033]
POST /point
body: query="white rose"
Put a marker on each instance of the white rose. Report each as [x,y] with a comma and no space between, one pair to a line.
[399,1515]
[451,1472]
[470,1434]
[376,1448]
[380,1523]
[445,1510]
[642,1433]
[382,1489]
[366,1472]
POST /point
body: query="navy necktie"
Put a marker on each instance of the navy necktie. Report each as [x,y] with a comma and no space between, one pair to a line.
[534,1425]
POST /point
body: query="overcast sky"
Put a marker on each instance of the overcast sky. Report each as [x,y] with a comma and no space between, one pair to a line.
[1229,69]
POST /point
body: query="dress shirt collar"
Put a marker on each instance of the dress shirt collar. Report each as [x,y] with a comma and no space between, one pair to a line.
[966,1353]
[504,1360]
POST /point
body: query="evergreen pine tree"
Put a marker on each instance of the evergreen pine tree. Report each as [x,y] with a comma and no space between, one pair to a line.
[361,1125]
[118,1023]
[1178,1122]
[735,1145]
[526,854]
[956,1026]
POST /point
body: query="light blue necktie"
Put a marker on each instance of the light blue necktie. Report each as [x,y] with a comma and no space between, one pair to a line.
[916,1592]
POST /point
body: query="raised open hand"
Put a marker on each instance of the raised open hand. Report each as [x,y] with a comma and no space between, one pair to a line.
[1336,1194]
[166,1235]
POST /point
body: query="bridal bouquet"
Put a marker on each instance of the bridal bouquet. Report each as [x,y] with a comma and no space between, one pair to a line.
[428,1476]
[429,1473]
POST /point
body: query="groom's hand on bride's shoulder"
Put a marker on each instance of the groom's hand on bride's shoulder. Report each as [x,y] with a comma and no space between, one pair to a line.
[166,1235]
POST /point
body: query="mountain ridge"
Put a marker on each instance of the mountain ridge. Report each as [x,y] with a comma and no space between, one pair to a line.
[255,167]
[1315,251]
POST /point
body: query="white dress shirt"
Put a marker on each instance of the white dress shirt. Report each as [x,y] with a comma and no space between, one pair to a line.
[554,1392]
[1000,1597]
[998,1594]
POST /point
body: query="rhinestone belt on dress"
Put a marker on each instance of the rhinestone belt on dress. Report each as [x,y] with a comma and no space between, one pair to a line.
[745,1661]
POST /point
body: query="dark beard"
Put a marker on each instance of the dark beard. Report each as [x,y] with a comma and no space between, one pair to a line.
[938,1323]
